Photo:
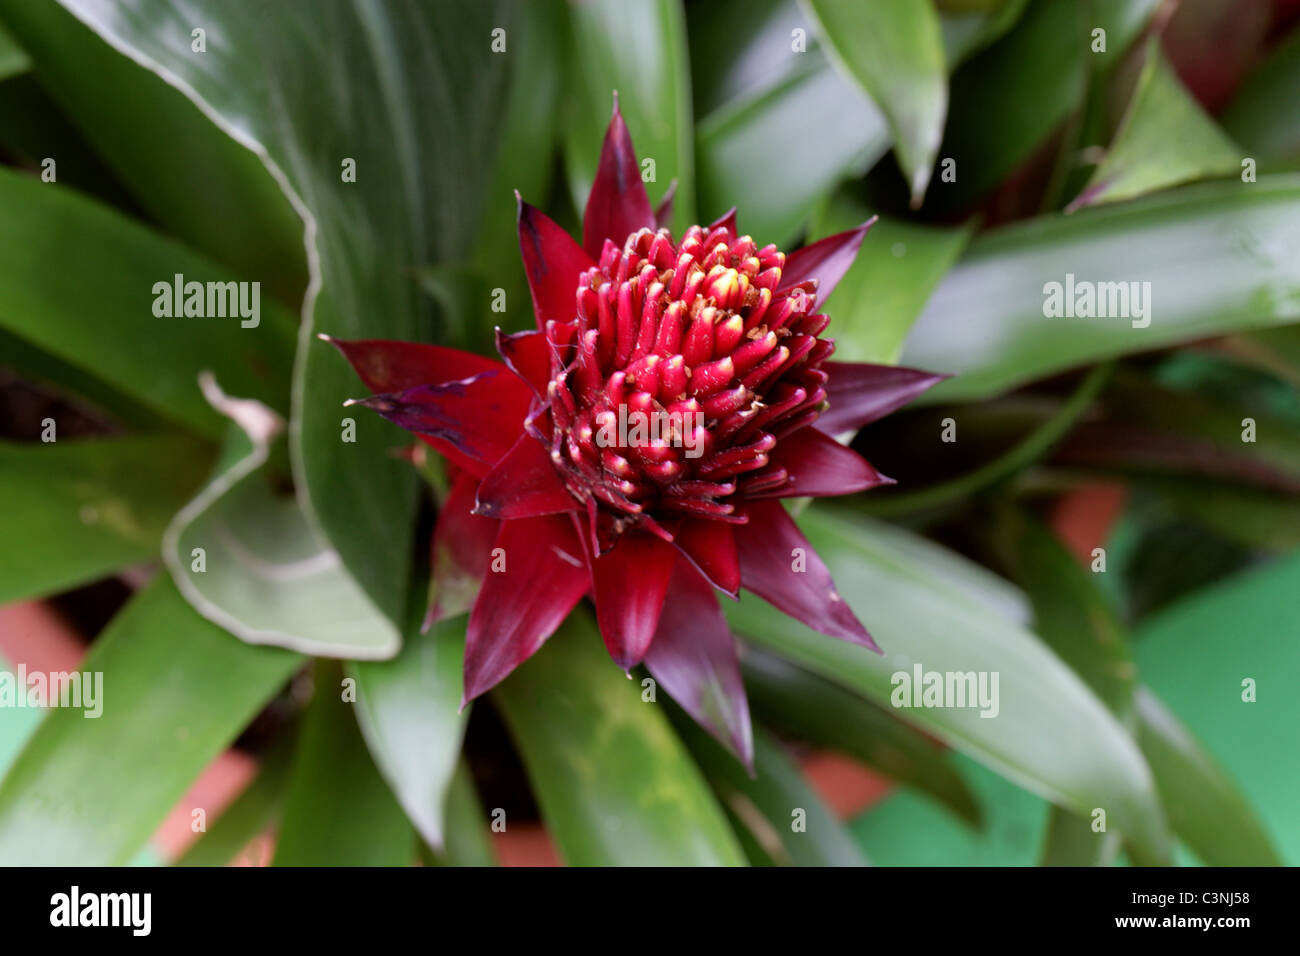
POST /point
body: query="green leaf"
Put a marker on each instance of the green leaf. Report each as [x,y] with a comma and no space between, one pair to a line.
[905,829]
[1227,374]
[466,838]
[77,510]
[1275,350]
[1007,101]
[177,690]
[238,217]
[414,98]
[33,129]
[1154,556]
[1075,621]
[826,130]
[891,279]
[1164,139]
[1216,256]
[1262,115]
[1070,614]
[783,814]
[953,572]
[761,48]
[17,724]
[1173,431]
[409,711]
[13,59]
[1051,734]
[638,49]
[614,782]
[338,811]
[1197,657]
[826,714]
[1252,518]
[243,553]
[75,385]
[523,159]
[966,32]
[248,816]
[1123,21]
[893,49]
[460,291]
[1205,806]
[1070,840]
[1024,453]
[104,324]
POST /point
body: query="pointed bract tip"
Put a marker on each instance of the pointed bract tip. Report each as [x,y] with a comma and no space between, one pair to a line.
[625,664]
[664,211]
[728,219]
[324,338]
[615,112]
[920,182]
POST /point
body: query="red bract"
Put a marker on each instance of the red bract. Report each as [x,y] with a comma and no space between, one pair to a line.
[632,447]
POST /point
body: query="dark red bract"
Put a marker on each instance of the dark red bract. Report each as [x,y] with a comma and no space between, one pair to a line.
[634,445]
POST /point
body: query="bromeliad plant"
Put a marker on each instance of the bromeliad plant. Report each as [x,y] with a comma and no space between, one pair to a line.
[714,351]
[623,434]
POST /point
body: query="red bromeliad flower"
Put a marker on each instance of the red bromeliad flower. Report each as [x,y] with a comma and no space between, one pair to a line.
[634,447]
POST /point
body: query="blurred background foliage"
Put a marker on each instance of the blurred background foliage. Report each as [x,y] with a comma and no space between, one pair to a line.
[1004,143]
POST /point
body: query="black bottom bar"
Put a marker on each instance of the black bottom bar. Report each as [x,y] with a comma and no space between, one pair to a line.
[213,906]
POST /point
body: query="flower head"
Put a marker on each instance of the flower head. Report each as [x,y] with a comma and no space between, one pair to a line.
[635,444]
[670,390]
